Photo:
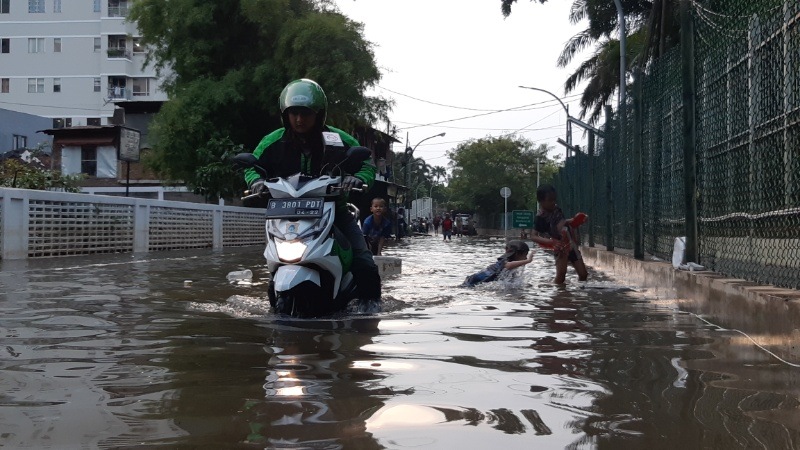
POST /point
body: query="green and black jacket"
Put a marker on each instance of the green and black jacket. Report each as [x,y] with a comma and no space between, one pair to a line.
[275,154]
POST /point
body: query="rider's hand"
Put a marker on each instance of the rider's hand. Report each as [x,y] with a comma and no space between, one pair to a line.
[258,187]
[351,182]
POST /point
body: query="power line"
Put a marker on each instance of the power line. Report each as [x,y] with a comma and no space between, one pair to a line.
[467,117]
[480,129]
[53,107]
[464,107]
[466,140]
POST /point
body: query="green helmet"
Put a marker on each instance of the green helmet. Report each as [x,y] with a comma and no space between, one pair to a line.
[307,94]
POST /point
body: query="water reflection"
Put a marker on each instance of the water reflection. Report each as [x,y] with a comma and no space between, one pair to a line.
[316,394]
[117,352]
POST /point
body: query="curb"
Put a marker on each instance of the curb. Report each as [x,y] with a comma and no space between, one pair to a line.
[769,315]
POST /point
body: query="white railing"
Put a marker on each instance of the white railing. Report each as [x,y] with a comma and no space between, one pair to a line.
[42,224]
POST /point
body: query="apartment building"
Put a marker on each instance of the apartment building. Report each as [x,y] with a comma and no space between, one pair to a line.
[73,61]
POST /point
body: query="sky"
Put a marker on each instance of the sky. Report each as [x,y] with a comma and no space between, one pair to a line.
[448,59]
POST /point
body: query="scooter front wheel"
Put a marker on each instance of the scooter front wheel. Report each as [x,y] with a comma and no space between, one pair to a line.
[304,300]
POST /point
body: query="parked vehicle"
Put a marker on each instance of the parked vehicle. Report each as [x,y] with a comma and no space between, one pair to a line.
[307,256]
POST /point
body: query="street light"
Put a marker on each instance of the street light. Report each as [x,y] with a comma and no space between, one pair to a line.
[409,154]
[566,110]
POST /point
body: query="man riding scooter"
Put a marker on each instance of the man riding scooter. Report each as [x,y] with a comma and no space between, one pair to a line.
[306,145]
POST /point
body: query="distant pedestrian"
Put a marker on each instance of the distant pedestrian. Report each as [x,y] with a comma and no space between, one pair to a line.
[553,231]
[437,222]
[458,225]
[447,228]
[401,223]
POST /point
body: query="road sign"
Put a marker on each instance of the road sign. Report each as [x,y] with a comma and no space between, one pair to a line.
[129,144]
[522,219]
[505,192]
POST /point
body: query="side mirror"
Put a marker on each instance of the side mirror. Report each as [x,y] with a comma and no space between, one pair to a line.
[244,160]
[354,157]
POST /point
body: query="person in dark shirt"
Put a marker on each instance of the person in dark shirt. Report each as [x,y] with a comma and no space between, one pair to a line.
[553,231]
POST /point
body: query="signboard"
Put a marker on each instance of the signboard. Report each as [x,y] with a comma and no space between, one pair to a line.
[129,144]
[522,219]
[505,192]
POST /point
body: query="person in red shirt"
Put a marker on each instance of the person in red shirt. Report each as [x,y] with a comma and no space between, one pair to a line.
[447,228]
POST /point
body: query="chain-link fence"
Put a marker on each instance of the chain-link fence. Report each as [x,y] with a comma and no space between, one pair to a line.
[743,85]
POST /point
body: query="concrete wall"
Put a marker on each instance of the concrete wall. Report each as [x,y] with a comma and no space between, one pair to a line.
[12,122]
[768,315]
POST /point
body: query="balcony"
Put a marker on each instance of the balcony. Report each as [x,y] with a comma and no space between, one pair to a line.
[119,52]
[119,93]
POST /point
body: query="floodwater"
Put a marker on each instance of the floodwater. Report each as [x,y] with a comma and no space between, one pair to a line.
[116,352]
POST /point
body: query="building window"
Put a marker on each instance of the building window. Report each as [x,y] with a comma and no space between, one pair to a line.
[96,5]
[97,84]
[35,45]
[117,8]
[97,44]
[93,121]
[5,85]
[56,6]
[89,160]
[56,45]
[36,85]
[61,123]
[138,47]
[19,142]
[5,45]
[56,84]
[4,6]
[141,86]
[35,6]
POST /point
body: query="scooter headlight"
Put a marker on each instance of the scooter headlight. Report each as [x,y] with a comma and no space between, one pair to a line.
[290,251]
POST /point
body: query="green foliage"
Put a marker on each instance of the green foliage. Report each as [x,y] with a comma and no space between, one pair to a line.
[482,167]
[652,28]
[212,178]
[16,174]
[230,60]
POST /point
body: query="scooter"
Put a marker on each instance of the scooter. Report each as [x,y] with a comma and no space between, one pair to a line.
[308,258]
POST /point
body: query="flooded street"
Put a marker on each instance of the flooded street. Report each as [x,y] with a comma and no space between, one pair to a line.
[116,352]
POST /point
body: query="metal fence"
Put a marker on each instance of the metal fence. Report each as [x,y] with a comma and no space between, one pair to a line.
[717,125]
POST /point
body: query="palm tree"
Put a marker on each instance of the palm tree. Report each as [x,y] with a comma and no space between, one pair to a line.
[438,172]
[652,30]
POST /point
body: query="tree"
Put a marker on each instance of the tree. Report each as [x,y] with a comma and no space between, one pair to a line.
[481,167]
[229,61]
[652,28]
[438,172]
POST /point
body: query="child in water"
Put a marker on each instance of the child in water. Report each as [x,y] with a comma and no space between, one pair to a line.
[377,228]
[516,255]
[555,232]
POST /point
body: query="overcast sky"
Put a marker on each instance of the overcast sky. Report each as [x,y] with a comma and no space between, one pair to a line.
[463,53]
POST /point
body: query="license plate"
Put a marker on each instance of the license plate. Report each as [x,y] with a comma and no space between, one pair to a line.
[291,208]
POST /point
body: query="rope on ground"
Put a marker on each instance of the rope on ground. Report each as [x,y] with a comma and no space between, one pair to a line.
[748,337]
